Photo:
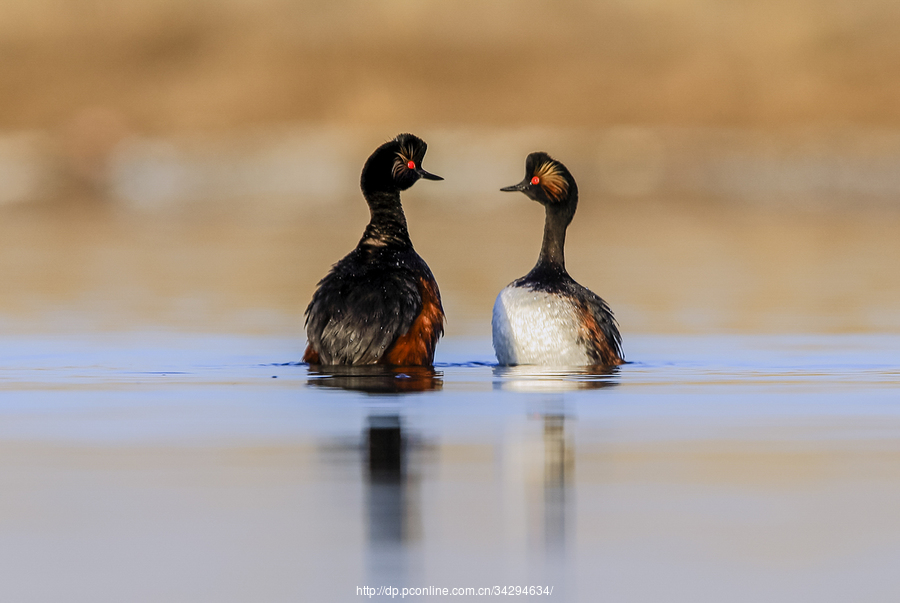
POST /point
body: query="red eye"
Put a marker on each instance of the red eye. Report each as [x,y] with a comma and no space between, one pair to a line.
[411,165]
[535,180]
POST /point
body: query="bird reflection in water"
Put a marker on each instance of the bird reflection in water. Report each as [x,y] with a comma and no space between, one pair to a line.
[377,378]
[553,379]
[558,468]
[392,497]
[551,515]
[391,483]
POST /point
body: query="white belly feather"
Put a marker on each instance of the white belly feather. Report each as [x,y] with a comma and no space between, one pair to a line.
[535,327]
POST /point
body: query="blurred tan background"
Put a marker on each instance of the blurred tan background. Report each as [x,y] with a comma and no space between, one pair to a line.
[165,65]
[194,164]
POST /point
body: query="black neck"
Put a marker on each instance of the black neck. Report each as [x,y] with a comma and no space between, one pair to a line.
[387,223]
[553,246]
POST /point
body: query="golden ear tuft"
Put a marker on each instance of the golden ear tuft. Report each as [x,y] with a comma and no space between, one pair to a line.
[553,180]
[404,156]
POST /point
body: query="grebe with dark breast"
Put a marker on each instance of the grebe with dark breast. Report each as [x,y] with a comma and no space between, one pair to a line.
[380,304]
[545,317]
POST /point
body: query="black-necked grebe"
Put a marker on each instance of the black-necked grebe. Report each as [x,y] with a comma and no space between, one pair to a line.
[380,304]
[545,317]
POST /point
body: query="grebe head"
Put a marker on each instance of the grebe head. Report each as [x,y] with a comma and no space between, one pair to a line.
[547,181]
[396,165]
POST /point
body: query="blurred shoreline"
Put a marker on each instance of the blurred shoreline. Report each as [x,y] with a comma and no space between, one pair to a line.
[295,166]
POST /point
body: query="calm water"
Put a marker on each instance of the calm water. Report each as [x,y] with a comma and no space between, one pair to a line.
[174,467]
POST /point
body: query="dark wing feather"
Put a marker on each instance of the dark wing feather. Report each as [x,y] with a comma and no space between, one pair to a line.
[605,327]
[358,311]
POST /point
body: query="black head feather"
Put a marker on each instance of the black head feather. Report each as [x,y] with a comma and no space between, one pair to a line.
[396,165]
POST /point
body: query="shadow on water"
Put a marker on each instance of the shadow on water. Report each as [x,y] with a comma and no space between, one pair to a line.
[377,379]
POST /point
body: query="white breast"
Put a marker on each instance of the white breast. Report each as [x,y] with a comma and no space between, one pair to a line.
[534,327]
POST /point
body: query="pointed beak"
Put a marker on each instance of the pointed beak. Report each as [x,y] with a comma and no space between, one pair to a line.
[515,188]
[427,175]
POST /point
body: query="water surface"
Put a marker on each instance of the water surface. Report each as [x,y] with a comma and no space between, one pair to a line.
[160,466]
